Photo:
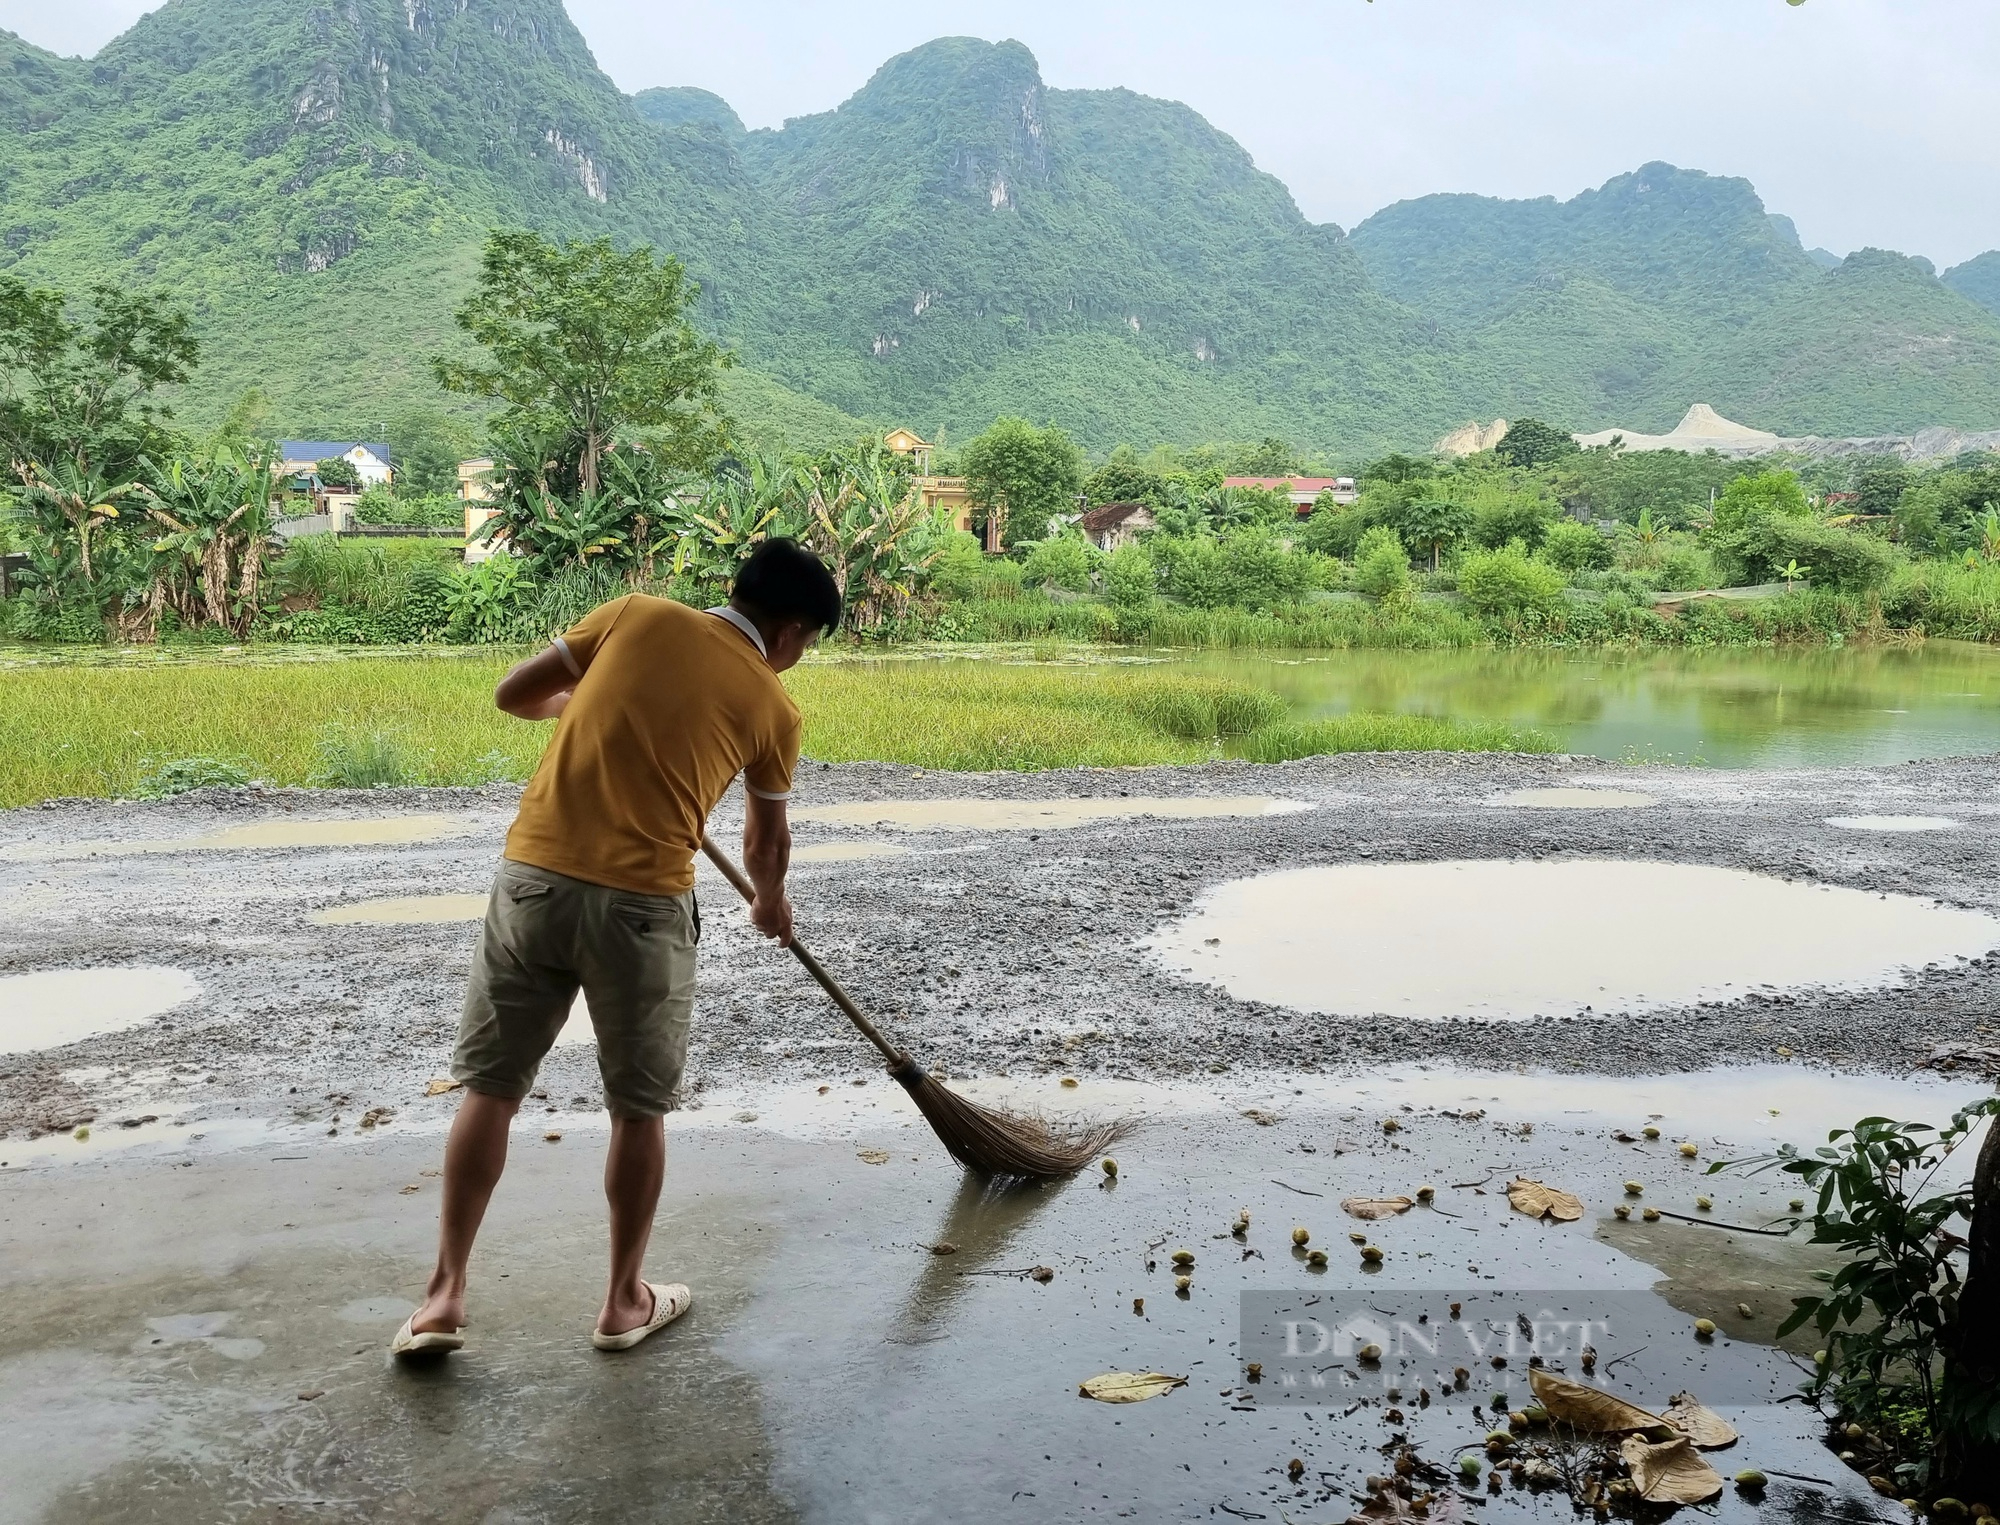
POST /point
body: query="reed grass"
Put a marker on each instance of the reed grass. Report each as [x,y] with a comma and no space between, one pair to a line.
[1386,733]
[118,730]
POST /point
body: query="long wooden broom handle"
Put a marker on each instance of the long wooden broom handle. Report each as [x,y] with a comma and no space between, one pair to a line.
[814,967]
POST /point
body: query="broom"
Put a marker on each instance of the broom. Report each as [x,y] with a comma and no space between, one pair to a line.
[989,1142]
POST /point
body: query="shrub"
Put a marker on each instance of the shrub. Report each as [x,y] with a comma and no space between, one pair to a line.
[1382,565]
[1499,519]
[1852,561]
[1062,561]
[187,773]
[1508,581]
[1575,547]
[960,566]
[354,759]
[1687,566]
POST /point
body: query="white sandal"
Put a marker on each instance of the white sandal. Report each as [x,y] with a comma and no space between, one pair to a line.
[432,1342]
[670,1301]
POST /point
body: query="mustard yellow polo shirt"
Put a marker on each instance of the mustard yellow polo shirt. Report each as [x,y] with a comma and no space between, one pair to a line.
[671,703]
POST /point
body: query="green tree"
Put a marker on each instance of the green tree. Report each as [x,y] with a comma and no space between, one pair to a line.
[1382,565]
[1119,481]
[1022,477]
[1575,547]
[428,445]
[591,341]
[338,472]
[1508,581]
[1269,457]
[1061,561]
[1530,443]
[1397,469]
[1879,485]
[1754,497]
[1428,525]
[80,385]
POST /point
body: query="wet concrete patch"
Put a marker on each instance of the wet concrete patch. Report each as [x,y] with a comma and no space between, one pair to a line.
[1573,799]
[1508,939]
[1892,822]
[1041,815]
[376,831]
[824,1320]
[62,1006]
[404,910]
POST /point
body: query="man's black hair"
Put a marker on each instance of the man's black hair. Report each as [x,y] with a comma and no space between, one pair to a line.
[782,580]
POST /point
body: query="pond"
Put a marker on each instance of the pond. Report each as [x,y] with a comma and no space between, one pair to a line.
[1852,706]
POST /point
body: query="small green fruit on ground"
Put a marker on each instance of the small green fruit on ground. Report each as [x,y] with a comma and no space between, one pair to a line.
[1111,1167]
[1688,1151]
[1469,1466]
[1650,1131]
[1183,1257]
[1750,1477]
[1634,1189]
[1371,1254]
[1704,1328]
[1301,1235]
[1316,1257]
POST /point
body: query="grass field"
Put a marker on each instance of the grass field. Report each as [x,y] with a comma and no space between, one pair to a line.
[111,730]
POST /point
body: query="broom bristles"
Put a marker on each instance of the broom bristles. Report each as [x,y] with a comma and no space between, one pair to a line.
[995,1143]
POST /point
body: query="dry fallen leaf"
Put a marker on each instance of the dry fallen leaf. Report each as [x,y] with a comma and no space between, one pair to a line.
[1673,1473]
[1540,1201]
[552,1138]
[1587,1408]
[409,1190]
[439,1087]
[1043,1273]
[944,1247]
[1128,1386]
[872,1156]
[1706,1428]
[1372,1208]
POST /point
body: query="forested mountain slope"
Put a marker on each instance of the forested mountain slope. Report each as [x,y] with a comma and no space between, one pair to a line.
[1668,285]
[955,241]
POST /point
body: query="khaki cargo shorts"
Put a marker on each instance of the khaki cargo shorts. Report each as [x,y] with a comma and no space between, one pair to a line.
[547,936]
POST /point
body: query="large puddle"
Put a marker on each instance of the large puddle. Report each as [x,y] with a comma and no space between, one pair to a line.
[61,1006]
[1499,939]
[1046,815]
[847,852]
[371,831]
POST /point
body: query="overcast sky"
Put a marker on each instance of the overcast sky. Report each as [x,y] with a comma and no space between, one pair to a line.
[1866,121]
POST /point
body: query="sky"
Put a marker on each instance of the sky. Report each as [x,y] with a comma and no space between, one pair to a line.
[1868,122]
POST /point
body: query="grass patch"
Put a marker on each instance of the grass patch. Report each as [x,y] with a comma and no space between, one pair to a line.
[101,730]
[1387,733]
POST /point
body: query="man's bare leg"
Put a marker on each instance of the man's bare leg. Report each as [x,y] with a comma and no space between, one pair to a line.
[474,1156]
[633,1173]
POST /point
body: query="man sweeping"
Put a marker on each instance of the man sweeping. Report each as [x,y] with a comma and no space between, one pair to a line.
[659,708]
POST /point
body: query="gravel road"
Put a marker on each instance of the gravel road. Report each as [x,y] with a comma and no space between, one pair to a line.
[1002,951]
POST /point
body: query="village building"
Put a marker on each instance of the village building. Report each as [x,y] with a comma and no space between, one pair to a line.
[948,493]
[373,466]
[1116,524]
[475,493]
[1303,491]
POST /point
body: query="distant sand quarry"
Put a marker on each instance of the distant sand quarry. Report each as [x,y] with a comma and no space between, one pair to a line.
[1702,428]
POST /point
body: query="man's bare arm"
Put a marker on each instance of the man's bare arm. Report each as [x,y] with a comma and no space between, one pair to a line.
[767,854]
[538,688]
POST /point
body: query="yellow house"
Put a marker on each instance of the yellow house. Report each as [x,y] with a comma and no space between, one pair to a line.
[934,492]
[475,491]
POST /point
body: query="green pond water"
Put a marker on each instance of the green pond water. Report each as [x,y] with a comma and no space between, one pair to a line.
[1727,709]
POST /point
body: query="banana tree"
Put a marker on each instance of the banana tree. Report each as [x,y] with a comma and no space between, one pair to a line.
[215,521]
[868,522]
[709,534]
[63,504]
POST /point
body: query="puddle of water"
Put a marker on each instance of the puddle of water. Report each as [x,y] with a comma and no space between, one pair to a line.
[1045,815]
[377,831]
[847,852]
[1892,822]
[1573,799]
[67,1005]
[1526,939]
[406,910]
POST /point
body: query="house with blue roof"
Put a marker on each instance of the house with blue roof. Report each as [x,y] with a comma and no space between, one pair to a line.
[371,459]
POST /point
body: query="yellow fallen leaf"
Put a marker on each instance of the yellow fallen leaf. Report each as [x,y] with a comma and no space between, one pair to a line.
[1372,1208]
[439,1087]
[872,1156]
[1128,1386]
[1673,1473]
[1706,1428]
[1540,1201]
[1587,1408]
